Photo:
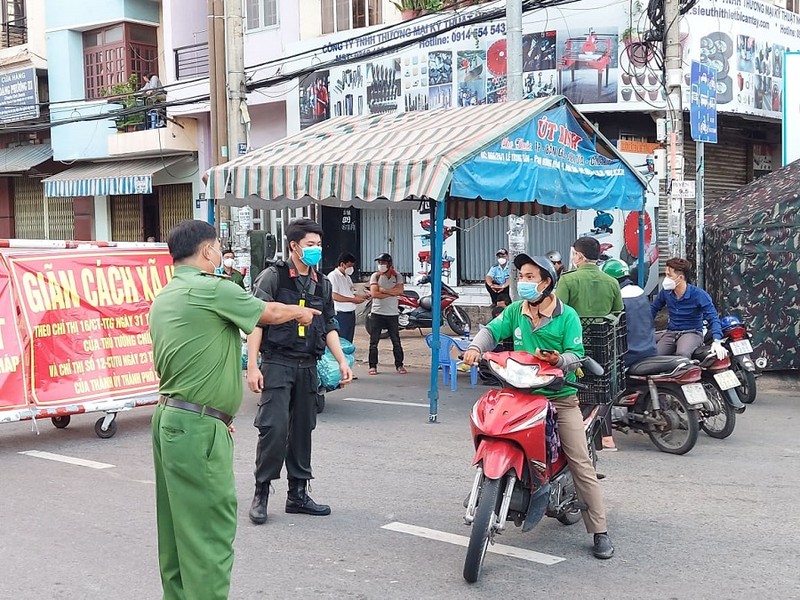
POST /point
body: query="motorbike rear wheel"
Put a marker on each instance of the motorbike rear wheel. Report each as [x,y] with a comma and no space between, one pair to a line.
[457,319]
[680,418]
[482,527]
[747,389]
[721,424]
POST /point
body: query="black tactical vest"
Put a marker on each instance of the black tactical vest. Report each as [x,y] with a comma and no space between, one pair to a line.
[287,339]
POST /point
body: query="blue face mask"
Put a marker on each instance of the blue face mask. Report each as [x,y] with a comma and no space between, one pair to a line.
[312,255]
[528,290]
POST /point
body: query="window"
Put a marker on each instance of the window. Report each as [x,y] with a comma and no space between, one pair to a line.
[112,54]
[341,15]
[14,26]
[14,11]
[261,13]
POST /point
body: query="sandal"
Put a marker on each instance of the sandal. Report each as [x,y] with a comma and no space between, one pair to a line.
[373,371]
[402,370]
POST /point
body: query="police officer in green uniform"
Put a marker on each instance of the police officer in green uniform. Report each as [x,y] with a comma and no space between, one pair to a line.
[287,380]
[195,322]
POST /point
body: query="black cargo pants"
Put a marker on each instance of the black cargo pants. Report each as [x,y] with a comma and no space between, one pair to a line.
[286,416]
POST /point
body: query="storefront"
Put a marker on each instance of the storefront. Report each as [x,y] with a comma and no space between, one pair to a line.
[133,200]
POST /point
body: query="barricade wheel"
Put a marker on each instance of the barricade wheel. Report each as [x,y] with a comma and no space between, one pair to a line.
[108,433]
[60,422]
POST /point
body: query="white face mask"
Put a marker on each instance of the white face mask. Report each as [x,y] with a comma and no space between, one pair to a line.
[669,284]
[502,261]
[349,271]
[229,262]
[383,268]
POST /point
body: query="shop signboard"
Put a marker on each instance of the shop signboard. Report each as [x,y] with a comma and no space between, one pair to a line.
[791,108]
[19,95]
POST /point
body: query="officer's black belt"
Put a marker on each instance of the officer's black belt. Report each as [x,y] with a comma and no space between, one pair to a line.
[196,408]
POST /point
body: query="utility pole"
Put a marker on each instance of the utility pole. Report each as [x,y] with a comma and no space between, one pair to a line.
[218,105]
[514,49]
[673,61]
[236,92]
[513,92]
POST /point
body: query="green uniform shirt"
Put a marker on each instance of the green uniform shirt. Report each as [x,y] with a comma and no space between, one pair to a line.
[237,278]
[590,292]
[197,349]
[563,333]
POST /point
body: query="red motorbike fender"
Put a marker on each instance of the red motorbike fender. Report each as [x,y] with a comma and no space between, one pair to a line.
[498,457]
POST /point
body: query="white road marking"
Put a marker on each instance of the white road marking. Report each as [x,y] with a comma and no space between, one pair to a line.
[460,540]
[392,402]
[81,462]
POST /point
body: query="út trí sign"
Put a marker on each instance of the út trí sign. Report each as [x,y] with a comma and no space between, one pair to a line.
[19,95]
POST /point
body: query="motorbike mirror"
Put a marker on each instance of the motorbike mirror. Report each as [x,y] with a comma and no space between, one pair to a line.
[593,366]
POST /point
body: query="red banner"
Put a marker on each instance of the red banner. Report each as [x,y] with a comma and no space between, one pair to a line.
[86,315]
[12,368]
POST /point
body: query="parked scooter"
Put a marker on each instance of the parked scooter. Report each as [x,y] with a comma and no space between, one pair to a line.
[663,396]
[415,312]
[737,341]
[521,473]
[720,383]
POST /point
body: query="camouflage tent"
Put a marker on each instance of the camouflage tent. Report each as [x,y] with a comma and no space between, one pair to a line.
[752,244]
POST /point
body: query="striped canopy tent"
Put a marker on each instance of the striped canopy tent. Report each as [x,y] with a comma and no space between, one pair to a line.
[517,158]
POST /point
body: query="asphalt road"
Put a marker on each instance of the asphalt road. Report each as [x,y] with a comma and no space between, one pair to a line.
[721,522]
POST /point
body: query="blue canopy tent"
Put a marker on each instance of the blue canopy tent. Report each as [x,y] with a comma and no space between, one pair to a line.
[497,159]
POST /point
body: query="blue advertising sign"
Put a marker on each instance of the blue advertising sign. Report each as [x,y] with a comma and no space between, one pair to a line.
[19,95]
[554,161]
[703,103]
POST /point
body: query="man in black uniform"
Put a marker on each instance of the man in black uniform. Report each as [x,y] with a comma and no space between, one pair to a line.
[287,380]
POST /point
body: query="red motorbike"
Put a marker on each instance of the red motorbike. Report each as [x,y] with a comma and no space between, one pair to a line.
[522,474]
[416,312]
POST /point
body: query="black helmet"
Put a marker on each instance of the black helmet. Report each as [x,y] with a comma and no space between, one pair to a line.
[545,265]
[385,257]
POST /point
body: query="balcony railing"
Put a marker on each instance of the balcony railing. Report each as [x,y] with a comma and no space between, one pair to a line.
[191,62]
[14,33]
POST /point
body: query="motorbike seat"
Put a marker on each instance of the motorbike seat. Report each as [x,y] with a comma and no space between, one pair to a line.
[656,365]
[701,352]
[411,294]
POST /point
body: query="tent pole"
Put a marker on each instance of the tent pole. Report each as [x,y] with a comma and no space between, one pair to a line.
[437,246]
[641,240]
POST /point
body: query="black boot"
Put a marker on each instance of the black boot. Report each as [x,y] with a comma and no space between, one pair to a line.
[298,501]
[258,509]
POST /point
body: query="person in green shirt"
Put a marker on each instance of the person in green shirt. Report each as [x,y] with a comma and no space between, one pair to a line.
[194,324]
[541,324]
[228,262]
[587,289]
[592,293]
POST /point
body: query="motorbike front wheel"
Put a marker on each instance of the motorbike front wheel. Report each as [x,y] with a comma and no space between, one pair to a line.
[747,389]
[482,528]
[679,433]
[457,319]
[722,424]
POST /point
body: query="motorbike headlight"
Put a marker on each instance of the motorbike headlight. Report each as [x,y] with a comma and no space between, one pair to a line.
[521,376]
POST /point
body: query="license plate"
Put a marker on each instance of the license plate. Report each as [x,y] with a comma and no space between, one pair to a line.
[742,347]
[694,393]
[727,380]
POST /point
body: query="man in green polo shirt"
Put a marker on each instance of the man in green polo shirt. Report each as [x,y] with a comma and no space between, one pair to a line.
[194,323]
[587,289]
[541,324]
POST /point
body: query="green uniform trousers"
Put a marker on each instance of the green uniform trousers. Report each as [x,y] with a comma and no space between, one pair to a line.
[195,504]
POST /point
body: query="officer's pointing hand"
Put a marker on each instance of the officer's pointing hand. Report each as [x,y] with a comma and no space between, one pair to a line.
[307,315]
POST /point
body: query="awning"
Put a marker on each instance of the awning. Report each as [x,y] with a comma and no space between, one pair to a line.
[23,158]
[539,150]
[115,178]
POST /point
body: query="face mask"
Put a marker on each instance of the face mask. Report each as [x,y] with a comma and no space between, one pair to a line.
[669,284]
[349,271]
[529,290]
[217,269]
[312,255]
[383,268]
[228,262]
[502,261]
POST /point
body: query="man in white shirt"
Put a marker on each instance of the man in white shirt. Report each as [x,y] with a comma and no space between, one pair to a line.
[344,295]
